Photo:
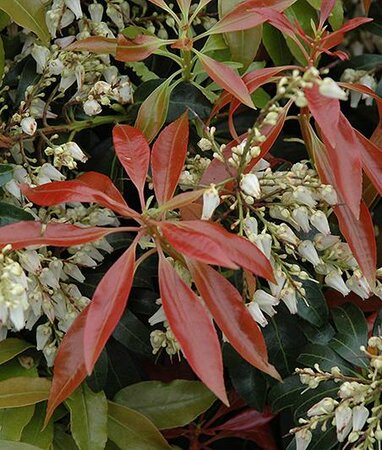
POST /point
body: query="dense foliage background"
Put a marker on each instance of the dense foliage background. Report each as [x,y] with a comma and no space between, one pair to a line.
[190,224]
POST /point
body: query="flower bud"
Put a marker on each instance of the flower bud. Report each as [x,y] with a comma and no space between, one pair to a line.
[329,88]
[75,152]
[257,314]
[303,438]
[308,251]
[92,107]
[301,217]
[211,201]
[29,125]
[335,281]
[96,12]
[324,406]
[319,220]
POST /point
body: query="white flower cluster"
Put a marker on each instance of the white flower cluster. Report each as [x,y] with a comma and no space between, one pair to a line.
[362,77]
[356,413]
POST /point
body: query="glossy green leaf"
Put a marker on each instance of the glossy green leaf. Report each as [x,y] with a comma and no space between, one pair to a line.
[34,433]
[167,405]
[12,214]
[249,383]
[13,421]
[283,395]
[6,171]
[348,348]
[187,96]
[153,111]
[88,413]
[133,334]
[29,14]
[313,307]
[349,319]
[11,347]
[97,380]
[317,335]
[276,46]
[13,369]
[4,20]
[325,357]
[130,430]
[62,440]
[9,445]
[22,391]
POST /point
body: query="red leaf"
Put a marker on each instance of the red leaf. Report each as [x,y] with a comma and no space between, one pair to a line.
[196,245]
[139,48]
[231,315]
[107,305]
[95,44]
[102,183]
[371,156]
[247,420]
[58,192]
[335,38]
[193,329]
[182,200]
[69,366]
[26,234]
[359,233]
[325,10]
[226,78]
[246,15]
[133,152]
[168,156]
[238,249]
[342,145]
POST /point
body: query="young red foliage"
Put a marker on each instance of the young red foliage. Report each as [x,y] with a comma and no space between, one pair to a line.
[28,233]
[107,305]
[247,15]
[95,44]
[168,157]
[133,152]
[74,191]
[336,37]
[342,146]
[193,328]
[102,183]
[139,48]
[69,365]
[325,10]
[239,250]
[227,78]
[233,318]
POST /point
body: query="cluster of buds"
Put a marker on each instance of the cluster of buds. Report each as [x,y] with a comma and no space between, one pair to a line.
[103,93]
[66,155]
[357,411]
[362,77]
[193,171]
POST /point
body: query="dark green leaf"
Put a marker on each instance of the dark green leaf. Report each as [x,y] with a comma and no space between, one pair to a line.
[246,379]
[13,368]
[313,307]
[131,333]
[13,421]
[275,45]
[9,445]
[62,440]
[88,412]
[23,391]
[6,171]
[348,348]
[325,357]
[350,320]
[363,62]
[167,405]
[283,395]
[130,430]
[2,58]
[98,378]
[284,341]
[11,214]
[316,335]
[186,96]
[34,433]
[11,347]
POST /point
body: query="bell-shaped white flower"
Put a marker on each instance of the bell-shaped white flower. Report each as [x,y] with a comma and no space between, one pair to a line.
[334,280]
[328,194]
[43,335]
[250,226]
[307,250]
[360,415]
[263,242]
[359,285]
[75,152]
[29,125]
[158,317]
[75,7]
[323,242]
[41,55]
[30,261]
[303,439]
[211,201]
[301,217]
[329,88]
[67,18]
[277,287]
[324,406]
[48,173]
[319,220]
[96,12]
[250,185]
[266,302]
[73,271]
[304,196]
[343,418]
[286,234]
[288,296]
[257,314]
[92,107]
[110,74]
